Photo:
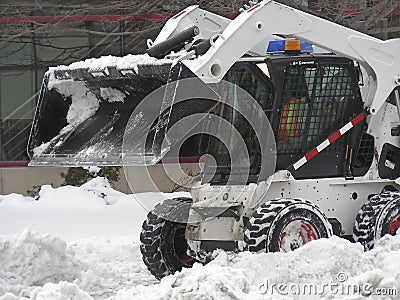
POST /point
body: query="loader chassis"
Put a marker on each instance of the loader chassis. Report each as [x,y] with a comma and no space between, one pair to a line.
[328,90]
[321,198]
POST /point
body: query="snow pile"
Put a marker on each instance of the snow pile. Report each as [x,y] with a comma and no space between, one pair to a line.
[31,259]
[60,291]
[67,196]
[116,264]
[45,267]
[94,209]
[94,170]
[101,187]
[15,200]
[116,272]
[250,276]
[94,194]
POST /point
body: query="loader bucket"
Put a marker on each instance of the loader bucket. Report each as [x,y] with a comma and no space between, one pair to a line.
[81,114]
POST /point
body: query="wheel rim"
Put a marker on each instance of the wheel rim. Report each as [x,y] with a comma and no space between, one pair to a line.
[295,234]
[180,246]
[394,225]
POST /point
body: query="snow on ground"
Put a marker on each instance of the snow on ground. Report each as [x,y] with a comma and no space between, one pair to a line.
[94,209]
[82,243]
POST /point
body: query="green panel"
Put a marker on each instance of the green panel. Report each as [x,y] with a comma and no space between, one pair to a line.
[16,94]
[61,50]
[16,53]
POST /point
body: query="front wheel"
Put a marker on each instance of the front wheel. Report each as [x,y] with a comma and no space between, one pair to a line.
[284,225]
[163,243]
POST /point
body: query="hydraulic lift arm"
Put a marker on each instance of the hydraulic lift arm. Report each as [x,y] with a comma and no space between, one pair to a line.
[380,59]
[209,23]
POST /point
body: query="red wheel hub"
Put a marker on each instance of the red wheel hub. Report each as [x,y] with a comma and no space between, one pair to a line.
[296,234]
[394,225]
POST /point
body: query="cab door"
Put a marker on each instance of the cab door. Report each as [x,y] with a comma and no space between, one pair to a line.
[315,97]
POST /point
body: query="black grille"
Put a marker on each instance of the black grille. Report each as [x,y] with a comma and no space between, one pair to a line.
[312,106]
[365,153]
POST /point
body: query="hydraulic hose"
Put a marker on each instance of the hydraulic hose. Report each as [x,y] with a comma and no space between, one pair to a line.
[161,49]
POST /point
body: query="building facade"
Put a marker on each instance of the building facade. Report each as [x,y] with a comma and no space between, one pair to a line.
[37,34]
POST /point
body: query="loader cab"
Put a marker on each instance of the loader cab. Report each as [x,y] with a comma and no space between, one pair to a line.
[306,98]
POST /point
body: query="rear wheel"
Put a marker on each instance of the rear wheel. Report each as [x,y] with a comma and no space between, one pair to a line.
[380,215]
[284,225]
[163,242]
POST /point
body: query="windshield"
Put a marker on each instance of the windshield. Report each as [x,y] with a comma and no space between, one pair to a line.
[250,90]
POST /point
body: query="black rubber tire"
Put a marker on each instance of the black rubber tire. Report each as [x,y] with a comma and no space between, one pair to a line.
[374,218]
[163,244]
[264,228]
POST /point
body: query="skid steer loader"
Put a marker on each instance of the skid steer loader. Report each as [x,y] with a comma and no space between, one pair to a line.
[319,131]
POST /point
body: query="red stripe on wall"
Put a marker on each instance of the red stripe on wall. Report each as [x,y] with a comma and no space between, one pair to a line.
[13,164]
[182,160]
[168,160]
[73,19]
[355,12]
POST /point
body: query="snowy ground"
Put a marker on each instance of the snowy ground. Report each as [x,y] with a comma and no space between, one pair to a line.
[82,243]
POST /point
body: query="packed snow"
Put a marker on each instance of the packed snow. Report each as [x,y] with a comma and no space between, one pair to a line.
[93,170]
[83,243]
[112,95]
[129,61]
[84,102]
